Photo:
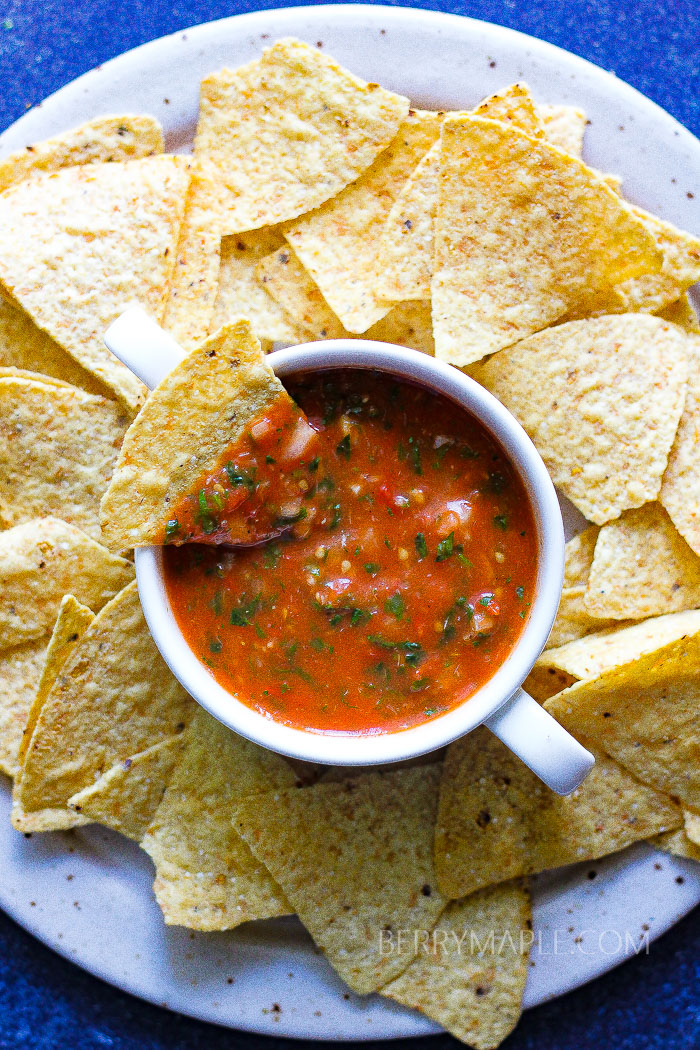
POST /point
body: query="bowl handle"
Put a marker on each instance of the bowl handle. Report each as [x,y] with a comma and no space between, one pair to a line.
[541,742]
[143,346]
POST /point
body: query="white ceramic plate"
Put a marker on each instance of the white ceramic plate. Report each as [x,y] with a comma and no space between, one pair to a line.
[87,893]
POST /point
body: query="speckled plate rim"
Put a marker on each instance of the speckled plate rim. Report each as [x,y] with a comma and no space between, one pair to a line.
[87,894]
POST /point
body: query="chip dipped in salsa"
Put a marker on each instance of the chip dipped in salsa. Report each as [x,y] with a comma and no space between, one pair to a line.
[391,564]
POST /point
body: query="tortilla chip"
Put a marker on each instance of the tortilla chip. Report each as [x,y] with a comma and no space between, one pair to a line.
[24,346]
[692,826]
[41,561]
[404,263]
[564,126]
[680,487]
[408,324]
[195,277]
[127,796]
[293,288]
[682,313]
[644,714]
[284,133]
[601,400]
[20,671]
[206,877]
[523,230]
[677,843]
[79,245]
[58,448]
[354,859]
[470,975]
[337,244]
[242,295]
[113,698]
[642,567]
[578,557]
[199,409]
[588,657]
[497,820]
[573,621]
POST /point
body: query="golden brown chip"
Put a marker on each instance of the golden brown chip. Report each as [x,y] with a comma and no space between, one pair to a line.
[680,487]
[20,671]
[118,138]
[644,714]
[337,244]
[497,820]
[523,230]
[79,245]
[470,974]
[113,698]
[682,313]
[58,448]
[206,877]
[241,294]
[677,843]
[573,621]
[564,126]
[642,567]
[601,399]
[199,409]
[407,324]
[41,561]
[284,133]
[354,859]
[127,796]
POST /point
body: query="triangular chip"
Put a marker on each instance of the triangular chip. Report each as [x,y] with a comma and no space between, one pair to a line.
[353,858]
[242,295]
[677,843]
[337,244]
[682,313]
[523,230]
[601,400]
[113,698]
[58,448]
[284,133]
[118,138]
[642,567]
[645,715]
[127,796]
[206,876]
[680,488]
[41,561]
[588,657]
[189,420]
[497,820]
[564,126]
[404,263]
[80,244]
[470,974]
[20,671]
[578,557]
[24,345]
[407,324]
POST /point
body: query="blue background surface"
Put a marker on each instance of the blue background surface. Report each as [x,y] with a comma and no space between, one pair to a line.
[650,1003]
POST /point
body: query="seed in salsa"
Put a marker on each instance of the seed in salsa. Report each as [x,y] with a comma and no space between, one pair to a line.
[400,572]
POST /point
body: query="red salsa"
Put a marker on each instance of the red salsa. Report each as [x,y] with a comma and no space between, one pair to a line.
[399,565]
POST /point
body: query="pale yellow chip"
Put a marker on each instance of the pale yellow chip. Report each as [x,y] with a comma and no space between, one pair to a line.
[564,126]
[692,826]
[113,698]
[42,560]
[194,283]
[199,409]
[23,345]
[206,876]
[601,400]
[522,231]
[354,858]
[677,843]
[127,796]
[497,820]
[79,245]
[470,975]
[680,487]
[286,132]
[20,671]
[404,262]
[588,657]
[241,294]
[578,557]
[299,298]
[683,314]
[337,244]
[573,621]
[642,567]
[58,448]
[645,715]
[118,138]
